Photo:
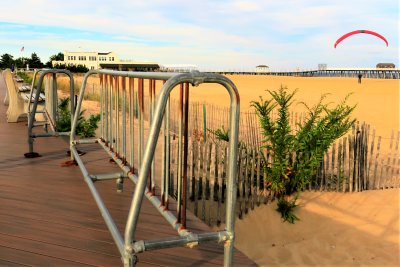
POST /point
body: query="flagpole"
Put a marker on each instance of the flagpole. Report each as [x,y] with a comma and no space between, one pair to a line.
[22,56]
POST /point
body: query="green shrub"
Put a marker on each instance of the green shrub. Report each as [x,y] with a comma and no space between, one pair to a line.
[72,68]
[285,208]
[296,155]
[220,134]
[85,127]
[24,76]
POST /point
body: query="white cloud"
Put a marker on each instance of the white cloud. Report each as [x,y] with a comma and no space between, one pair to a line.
[210,32]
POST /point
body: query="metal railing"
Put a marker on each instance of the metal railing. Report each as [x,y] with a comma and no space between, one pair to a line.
[50,110]
[119,122]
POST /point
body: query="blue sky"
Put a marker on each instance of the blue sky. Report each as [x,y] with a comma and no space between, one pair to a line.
[218,34]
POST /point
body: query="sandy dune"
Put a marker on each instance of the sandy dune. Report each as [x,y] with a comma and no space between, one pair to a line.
[335,229]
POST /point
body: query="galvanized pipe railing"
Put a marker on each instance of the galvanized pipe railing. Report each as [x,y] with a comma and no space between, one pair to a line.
[50,110]
[122,104]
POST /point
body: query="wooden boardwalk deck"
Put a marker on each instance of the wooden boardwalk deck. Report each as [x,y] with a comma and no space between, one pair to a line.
[49,218]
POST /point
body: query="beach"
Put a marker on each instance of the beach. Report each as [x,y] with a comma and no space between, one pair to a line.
[377,100]
[335,229]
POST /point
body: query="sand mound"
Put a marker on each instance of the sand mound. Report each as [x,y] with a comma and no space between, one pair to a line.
[336,229]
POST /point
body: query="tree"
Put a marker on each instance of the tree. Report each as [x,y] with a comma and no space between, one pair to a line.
[56,57]
[297,154]
[6,61]
[72,68]
[35,62]
[21,62]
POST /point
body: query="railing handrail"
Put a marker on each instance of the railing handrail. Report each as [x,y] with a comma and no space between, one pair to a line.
[129,247]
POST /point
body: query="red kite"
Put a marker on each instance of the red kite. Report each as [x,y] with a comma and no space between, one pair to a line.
[360,31]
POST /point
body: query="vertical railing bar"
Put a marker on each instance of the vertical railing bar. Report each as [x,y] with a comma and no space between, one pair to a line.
[101,106]
[110,124]
[153,166]
[150,177]
[111,113]
[167,152]
[106,109]
[232,170]
[141,120]
[117,122]
[152,185]
[179,172]
[163,160]
[54,113]
[132,122]
[124,119]
[185,152]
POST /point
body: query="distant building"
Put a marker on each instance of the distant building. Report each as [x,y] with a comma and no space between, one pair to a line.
[178,68]
[385,66]
[322,66]
[108,60]
[262,68]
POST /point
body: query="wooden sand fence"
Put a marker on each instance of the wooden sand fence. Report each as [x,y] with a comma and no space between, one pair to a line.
[357,162]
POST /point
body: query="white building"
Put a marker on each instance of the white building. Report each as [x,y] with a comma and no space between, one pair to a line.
[262,68]
[108,60]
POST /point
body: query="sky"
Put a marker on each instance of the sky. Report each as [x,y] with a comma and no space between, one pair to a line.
[211,34]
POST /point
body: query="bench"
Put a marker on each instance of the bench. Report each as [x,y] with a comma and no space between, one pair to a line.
[18,97]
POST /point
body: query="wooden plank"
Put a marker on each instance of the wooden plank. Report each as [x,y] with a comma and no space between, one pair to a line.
[10,256]
[333,157]
[202,179]
[351,162]
[345,177]
[246,184]
[252,173]
[339,167]
[258,179]
[218,177]
[56,251]
[241,182]
[376,175]
[369,166]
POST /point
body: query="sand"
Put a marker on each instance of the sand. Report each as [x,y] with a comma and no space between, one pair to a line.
[335,229]
[377,100]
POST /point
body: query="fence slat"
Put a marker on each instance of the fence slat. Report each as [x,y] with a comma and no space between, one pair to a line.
[252,173]
[345,177]
[369,166]
[351,162]
[339,167]
[258,189]
[333,156]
